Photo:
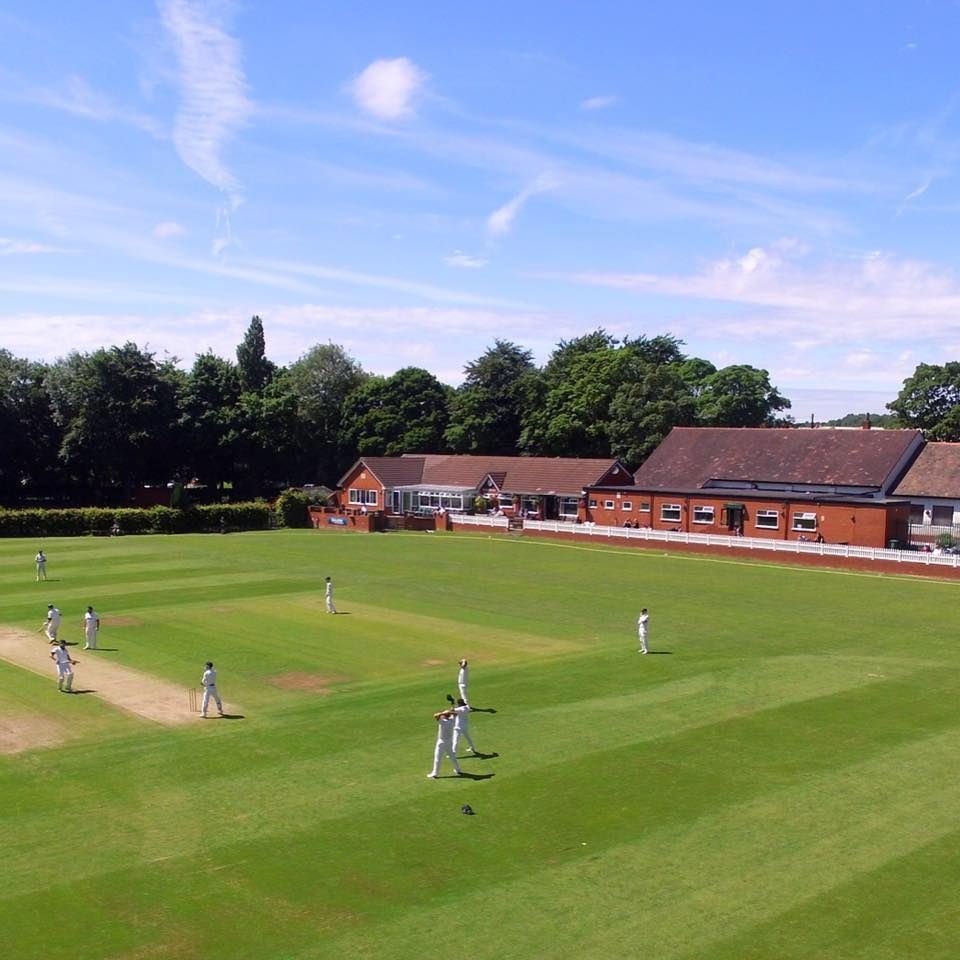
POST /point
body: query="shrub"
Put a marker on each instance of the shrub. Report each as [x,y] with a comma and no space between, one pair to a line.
[291,509]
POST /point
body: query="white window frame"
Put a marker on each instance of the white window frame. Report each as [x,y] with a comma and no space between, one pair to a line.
[360,495]
[644,506]
[804,522]
[627,505]
[704,514]
[672,508]
[593,502]
[569,506]
[609,505]
[760,515]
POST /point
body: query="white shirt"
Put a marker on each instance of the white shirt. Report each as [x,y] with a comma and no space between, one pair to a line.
[53,617]
[462,720]
[41,559]
[209,678]
[462,676]
[445,729]
[642,622]
[91,621]
[329,588]
[60,656]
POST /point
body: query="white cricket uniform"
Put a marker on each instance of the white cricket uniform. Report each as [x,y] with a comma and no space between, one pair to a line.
[444,746]
[463,678]
[329,596]
[61,658]
[209,684]
[53,624]
[41,562]
[461,728]
[91,625]
[642,622]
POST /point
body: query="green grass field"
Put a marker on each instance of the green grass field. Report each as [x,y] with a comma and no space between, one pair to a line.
[780,779]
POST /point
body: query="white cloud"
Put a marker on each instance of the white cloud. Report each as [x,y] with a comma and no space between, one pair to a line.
[598,103]
[500,222]
[213,91]
[388,88]
[465,260]
[168,229]
[8,246]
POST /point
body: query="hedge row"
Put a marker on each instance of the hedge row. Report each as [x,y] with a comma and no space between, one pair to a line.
[212,518]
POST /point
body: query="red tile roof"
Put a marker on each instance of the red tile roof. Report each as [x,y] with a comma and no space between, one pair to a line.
[559,476]
[935,473]
[692,456]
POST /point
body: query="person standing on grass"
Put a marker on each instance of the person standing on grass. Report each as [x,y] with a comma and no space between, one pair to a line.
[209,683]
[41,561]
[91,627]
[642,626]
[445,723]
[463,680]
[461,726]
[52,624]
[329,596]
[61,657]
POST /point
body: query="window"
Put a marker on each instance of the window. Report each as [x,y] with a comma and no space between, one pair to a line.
[768,519]
[670,512]
[804,521]
[943,516]
[703,514]
[608,504]
[916,513]
[430,501]
[593,502]
[626,505]
[645,507]
[569,506]
[368,497]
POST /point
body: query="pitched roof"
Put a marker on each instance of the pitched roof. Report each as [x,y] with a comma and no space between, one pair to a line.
[531,475]
[690,457]
[935,473]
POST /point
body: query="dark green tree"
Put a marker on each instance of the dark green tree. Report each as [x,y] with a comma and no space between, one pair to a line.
[739,396]
[486,412]
[321,380]
[930,401]
[255,369]
[404,413]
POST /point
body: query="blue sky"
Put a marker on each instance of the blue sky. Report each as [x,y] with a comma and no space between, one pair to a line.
[774,183]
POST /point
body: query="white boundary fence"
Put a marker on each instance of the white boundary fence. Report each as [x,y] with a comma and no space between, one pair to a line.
[588,531]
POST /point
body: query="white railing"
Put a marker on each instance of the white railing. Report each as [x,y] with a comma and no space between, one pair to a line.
[592,531]
[479,520]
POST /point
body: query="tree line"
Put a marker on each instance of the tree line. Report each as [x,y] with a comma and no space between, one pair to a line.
[120,417]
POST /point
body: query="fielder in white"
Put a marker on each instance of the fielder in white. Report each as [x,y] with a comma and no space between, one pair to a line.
[209,683]
[91,627]
[463,679]
[52,624]
[329,596]
[461,726]
[642,626]
[445,723]
[41,561]
[60,656]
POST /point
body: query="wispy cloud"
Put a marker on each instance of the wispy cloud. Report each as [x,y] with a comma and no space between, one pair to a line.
[167,230]
[465,260]
[500,222]
[214,104]
[598,103]
[388,89]
[9,247]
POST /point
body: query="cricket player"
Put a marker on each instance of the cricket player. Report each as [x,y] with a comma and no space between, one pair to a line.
[461,726]
[91,627]
[41,561]
[463,679]
[642,626]
[52,623]
[445,723]
[61,657]
[329,596]
[209,683]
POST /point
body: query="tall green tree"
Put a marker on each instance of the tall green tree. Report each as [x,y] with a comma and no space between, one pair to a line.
[404,413]
[739,396]
[254,368]
[321,380]
[118,410]
[486,412]
[930,401]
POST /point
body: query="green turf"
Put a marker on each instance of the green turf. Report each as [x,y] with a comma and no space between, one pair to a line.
[779,779]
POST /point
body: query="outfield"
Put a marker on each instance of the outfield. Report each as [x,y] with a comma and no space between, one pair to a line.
[779,779]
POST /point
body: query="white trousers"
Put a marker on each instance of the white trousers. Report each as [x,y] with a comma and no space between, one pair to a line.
[462,687]
[209,692]
[444,748]
[330,607]
[91,635]
[64,676]
[462,734]
[643,640]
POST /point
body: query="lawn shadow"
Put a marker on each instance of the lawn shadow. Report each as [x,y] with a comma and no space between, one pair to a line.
[481,756]
[660,653]
[482,709]
[232,716]
[81,691]
[475,776]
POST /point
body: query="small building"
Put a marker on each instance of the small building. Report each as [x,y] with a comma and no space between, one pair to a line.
[932,485]
[789,483]
[547,488]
